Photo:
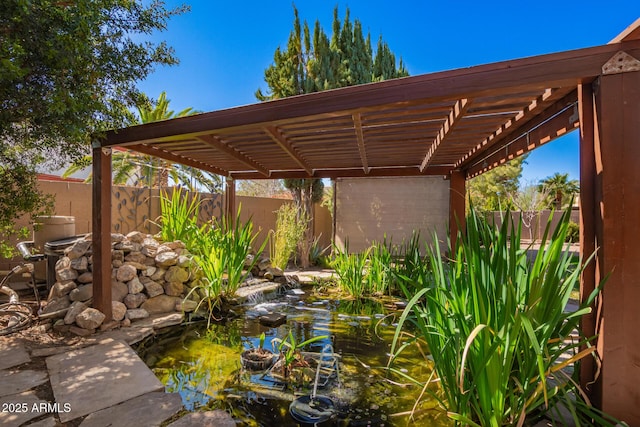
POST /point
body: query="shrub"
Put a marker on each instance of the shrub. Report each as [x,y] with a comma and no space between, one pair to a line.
[573,232]
[350,269]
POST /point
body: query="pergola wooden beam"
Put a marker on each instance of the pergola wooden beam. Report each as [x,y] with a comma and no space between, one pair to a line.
[276,135]
[357,124]
[553,123]
[172,157]
[217,143]
[101,229]
[350,172]
[458,111]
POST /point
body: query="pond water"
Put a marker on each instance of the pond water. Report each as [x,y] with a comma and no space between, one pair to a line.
[204,366]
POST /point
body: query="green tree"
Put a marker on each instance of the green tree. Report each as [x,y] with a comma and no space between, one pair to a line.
[143,170]
[559,188]
[311,64]
[493,190]
[260,187]
[68,69]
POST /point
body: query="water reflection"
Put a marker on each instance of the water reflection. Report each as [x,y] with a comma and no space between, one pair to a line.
[204,365]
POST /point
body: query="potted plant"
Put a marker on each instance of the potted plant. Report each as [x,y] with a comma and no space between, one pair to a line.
[290,355]
[257,359]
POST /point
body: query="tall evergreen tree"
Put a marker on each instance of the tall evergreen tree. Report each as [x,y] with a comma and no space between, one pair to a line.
[312,64]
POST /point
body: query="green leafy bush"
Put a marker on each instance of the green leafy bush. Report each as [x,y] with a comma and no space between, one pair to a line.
[497,329]
[573,232]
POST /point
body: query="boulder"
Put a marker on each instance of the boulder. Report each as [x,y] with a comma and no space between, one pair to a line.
[64,271]
[108,325]
[78,249]
[82,293]
[137,314]
[76,308]
[86,277]
[153,289]
[136,237]
[176,274]
[150,271]
[186,305]
[137,265]
[60,289]
[137,257]
[80,264]
[57,304]
[134,300]
[118,291]
[160,304]
[117,255]
[118,310]
[135,287]
[126,273]
[166,259]
[117,237]
[158,275]
[174,289]
[90,318]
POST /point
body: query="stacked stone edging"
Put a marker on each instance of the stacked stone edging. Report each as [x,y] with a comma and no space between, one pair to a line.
[148,277]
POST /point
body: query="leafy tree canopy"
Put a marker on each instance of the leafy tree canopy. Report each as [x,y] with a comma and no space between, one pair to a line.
[493,190]
[67,69]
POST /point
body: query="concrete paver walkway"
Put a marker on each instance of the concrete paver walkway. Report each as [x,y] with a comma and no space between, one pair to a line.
[98,377]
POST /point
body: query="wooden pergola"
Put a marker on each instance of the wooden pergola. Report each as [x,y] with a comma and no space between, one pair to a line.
[457,124]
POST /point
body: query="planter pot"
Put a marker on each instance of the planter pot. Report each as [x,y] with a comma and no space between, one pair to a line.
[257,359]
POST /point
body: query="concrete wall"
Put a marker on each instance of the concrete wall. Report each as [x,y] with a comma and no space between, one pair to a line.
[533,227]
[367,208]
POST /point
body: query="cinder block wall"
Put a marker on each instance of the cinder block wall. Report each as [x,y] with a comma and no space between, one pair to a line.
[367,208]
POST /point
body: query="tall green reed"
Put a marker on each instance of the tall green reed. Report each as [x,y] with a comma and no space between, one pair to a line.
[178,215]
[496,326]
[350,269]
[285,238]
[379,274]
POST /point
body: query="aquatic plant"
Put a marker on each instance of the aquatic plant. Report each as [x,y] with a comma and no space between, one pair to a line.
[350,269]
[290,350]
[379,277]
[221,254]
[497,329]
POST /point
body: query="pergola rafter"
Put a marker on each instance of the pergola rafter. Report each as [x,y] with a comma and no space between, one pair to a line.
[357,124]
[217,143]
[458,111]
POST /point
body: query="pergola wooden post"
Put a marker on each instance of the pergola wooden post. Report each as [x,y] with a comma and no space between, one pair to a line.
[457,205]
[101,230]
[617,232]
[230,200]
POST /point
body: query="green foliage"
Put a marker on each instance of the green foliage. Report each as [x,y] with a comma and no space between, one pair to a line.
[379,277]
[410,264]
[179,216]
[68,69]
[19,194]
[220,250]
[493,190]
[496,327]
[560,189]
[350,268]
[290,348]
[573,232]
[285,237]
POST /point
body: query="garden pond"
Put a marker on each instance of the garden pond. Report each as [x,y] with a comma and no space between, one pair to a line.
[203,363]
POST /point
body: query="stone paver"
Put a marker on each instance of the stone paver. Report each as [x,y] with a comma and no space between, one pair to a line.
[46,422]
[20,408]
[205,419]
[12,354]
[98,377]
[18,381]
[150,409]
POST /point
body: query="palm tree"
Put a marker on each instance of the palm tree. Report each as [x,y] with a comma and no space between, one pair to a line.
[559,187]
[143,170]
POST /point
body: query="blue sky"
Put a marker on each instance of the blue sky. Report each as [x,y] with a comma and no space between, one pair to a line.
[224,46]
